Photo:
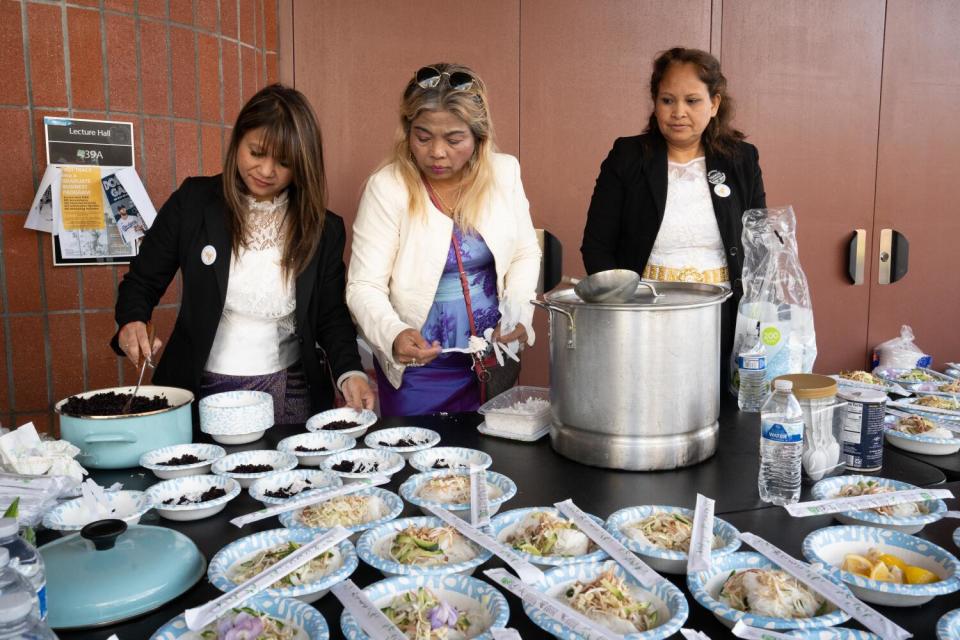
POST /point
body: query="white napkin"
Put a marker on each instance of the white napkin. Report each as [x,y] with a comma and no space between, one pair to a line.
[510,314]
[22,451]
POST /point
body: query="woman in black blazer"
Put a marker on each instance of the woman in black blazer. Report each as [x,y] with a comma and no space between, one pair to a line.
[263,275]
[690,137]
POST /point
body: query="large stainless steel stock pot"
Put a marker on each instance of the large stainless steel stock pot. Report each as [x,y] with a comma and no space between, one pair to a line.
[636,385]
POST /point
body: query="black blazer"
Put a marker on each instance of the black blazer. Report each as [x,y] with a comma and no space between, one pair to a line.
[630,195]
[195,217]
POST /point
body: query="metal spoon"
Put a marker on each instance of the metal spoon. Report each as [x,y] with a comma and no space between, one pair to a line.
[144,362]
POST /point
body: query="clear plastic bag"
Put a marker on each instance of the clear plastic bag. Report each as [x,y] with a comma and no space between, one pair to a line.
[900,352]
[775,294]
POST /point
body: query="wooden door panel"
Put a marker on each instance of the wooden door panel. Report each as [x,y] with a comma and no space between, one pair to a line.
[918,190]
[353,59]
[805,75]
[585,72]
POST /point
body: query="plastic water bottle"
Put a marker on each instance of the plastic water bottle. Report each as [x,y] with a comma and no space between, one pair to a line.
[25,559]
[781,446]
[19,620]
[752,364]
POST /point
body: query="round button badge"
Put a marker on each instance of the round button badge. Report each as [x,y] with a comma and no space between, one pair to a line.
[208,255]
[722,190]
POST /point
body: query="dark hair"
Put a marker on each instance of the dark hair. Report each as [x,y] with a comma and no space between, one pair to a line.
[719,137]
[292,136]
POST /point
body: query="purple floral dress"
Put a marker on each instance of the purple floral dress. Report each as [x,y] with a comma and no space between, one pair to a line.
[448,383]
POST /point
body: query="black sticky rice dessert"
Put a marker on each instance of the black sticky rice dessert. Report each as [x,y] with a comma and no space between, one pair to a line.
[111,404]
[303,449]
[251,468]
[338,425]
[186,458]
[286,492]
[403,442]
[210,494]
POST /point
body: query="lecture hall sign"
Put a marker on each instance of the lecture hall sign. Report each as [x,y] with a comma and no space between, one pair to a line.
[71,141]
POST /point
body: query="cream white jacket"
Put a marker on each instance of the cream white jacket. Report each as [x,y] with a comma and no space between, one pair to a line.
[397,258]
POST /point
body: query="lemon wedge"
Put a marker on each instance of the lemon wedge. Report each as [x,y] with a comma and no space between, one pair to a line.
[881,573]
[893,561]
[856,564]
[919,575]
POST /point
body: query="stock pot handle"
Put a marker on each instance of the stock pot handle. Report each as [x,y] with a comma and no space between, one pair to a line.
[571,323]
[110,437]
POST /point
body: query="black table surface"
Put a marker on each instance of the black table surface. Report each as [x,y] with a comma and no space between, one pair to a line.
[949,464]
[543,478]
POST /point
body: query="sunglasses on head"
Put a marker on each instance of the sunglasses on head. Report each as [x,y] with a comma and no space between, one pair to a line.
[430,78]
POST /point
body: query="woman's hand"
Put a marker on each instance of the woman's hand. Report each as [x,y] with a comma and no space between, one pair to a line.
[412,349]
[134,341]
[357,393]
[519,333]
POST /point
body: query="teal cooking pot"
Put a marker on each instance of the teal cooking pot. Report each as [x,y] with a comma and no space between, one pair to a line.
[117,442]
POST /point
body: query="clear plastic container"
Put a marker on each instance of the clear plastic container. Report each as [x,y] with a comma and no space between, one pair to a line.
[822,425]
[520,412]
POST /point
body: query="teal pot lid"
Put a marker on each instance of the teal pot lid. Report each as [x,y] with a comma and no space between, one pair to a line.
[110,572]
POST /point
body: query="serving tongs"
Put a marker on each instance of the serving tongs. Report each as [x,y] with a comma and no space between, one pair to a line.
[145,361]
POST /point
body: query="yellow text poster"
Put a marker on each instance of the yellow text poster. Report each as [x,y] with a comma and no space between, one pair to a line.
[81,199]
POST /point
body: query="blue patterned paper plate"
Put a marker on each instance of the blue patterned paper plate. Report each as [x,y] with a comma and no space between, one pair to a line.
[332,441]
[948,626]
[208,454]
[503,524]
[667,559]
[833,633]
[925,445]
[279,460]
[221,565]
[828,546]
[373,547]
[388,463]
[73,515]
[364,420]
[393,505]
[411,487]
[454,457]
[705,587]
[460,591]
[671,605]
[178,487]
[382,438]
[830,487]
[280,479]
[287,610]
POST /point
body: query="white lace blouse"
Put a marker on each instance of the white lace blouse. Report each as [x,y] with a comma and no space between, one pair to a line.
[256,335]
[689,235]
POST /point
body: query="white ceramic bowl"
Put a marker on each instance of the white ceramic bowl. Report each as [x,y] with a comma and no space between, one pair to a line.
[279,460]
[306,620]
[332,441]
[505,524]
[236,417]
[462,592]
[318,480]
[208,454]
[500,488]
[73,515]
[374,549]
[385,439]
[225,563]
[391,506]
[830,545]
[452,457]
[705,587]
[364,419]
[922,444]
[668,601]
[666,560]
[830,487]
[386,463]
[175,488]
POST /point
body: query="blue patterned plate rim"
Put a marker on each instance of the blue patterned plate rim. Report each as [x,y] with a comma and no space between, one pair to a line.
[822,491]
[394,462]
[156,492]
[370,537]
[671,596]
[256,490]
[503,520]
[393,501]
[288,444]
[888,429]
[463,453]
[372,440]
[696,583]
[409,487]
[232,553]
[727,532]
[890,538]
[213,452]
[285,609]
[53,519]
[948,626]
[282,461]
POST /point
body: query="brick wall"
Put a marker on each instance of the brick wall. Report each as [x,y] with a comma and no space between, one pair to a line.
[179,70]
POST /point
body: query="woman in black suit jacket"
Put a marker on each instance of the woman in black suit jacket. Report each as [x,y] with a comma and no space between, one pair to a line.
[262,266]
[690,121]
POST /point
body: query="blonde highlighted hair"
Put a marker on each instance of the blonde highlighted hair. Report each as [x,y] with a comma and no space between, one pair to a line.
[471,106]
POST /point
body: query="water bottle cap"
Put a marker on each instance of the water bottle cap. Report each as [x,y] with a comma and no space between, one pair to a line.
[8,527]
[15,606]
[783,385]
[4,557]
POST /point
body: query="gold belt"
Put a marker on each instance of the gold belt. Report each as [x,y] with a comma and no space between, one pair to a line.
[686,274]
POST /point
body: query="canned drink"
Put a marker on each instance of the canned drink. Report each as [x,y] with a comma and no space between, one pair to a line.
[863,429]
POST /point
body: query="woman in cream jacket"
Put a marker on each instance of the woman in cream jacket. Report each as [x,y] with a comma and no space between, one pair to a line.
[443,227]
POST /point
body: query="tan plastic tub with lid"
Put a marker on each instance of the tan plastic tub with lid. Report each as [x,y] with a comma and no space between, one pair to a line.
[823,424]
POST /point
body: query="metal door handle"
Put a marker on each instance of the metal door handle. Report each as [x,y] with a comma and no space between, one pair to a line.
[894,256]
[856,256]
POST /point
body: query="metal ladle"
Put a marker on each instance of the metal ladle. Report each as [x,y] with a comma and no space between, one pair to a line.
[144,362]
[613,285]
